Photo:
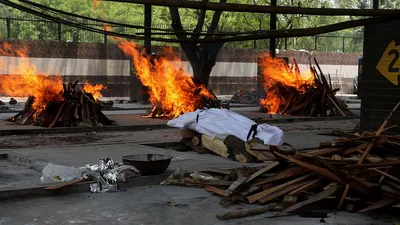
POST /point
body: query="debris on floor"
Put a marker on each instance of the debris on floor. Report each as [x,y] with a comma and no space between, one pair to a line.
[106,173]
[245,97]
[13,101]
[107,104]
[356,173]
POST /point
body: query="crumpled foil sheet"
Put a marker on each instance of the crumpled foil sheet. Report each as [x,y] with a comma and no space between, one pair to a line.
[203,176]
[95,188]
[107,173]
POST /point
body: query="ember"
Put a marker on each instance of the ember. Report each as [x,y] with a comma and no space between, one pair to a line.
[291,93]
[50,103]
[172,91]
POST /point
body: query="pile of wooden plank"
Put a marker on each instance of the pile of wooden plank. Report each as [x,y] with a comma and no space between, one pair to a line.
[318,100]
[231,147]
[357,173]
[73,107]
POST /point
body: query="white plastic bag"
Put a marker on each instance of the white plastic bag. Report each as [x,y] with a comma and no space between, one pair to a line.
[222,122]
[58,173]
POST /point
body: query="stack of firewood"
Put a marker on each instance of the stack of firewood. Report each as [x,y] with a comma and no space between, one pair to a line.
[356,173]
[73,107]
[318,100]
[231,147]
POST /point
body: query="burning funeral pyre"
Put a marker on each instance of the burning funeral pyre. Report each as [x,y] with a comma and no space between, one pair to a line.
[291,93]
[172,91]
[50,103]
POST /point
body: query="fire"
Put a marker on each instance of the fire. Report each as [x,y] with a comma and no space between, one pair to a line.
[278,78]
[25,80]
[170,87]
[95,89]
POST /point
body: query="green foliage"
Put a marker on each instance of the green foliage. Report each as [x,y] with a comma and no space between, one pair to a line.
[230,21]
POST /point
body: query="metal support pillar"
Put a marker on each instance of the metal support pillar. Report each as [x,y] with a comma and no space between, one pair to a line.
[147,32]
[59,32]
[375,4]
[8,25]
[147,44]
[272,41]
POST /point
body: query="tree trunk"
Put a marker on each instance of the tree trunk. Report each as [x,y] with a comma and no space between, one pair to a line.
[202,57]
[202,65]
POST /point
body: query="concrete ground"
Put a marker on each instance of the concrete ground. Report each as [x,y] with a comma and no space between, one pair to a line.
[140,203]
[153,205]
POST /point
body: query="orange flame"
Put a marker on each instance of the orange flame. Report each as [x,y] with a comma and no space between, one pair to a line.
[24,79]
[170,87]
[276,75]
[94,89]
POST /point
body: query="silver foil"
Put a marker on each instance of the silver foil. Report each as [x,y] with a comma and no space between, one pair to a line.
[95,188]
[203,176]
[108,173]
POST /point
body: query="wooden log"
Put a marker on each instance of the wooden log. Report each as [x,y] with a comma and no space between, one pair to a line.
[289,200]
[323,78]
[359,184]
[355,149]
[382,203]
[318,197]
[290,172]
[313,168]
[368,149]
[260,155]
[387,175]
[264,193]
[196,140]
[214,190]
[65,184]
[245,213]
[199,149]
[281,192]
[325,151]
[187,133]
[375,165]
[330,82]
[336,106]
[258,146]
[261,171]
[57,116]
[215,145]
[239,181]
[306,187]
[238,149]
[289,103]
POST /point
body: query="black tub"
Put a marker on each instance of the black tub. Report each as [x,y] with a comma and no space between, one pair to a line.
[148,164]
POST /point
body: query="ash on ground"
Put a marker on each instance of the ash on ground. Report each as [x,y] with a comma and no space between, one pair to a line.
[246,97]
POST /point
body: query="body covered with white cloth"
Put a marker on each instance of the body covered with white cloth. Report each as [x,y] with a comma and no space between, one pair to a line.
[223,122]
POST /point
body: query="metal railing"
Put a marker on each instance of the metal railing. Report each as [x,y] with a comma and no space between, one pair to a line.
[38,29]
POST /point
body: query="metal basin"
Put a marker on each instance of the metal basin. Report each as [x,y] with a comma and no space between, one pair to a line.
[148,164]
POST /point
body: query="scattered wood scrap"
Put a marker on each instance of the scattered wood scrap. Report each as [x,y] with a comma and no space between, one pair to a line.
[359,171]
